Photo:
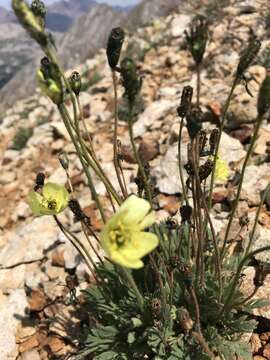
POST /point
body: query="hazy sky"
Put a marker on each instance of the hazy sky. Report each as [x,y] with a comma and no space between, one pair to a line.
[111,2]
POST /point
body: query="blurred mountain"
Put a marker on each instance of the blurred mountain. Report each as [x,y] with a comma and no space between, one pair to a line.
[88,30]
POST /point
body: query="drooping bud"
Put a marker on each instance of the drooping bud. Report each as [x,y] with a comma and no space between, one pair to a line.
[248,57]
[40,178]
[30,22]
[194,122]
[132,82]
[75,207]
[114,46]
[186,213]
[186,99]
[75,82]
[39,10]
[213,140]
[197,38]
[206,169]
[63,159]
[49,79]
[263,104]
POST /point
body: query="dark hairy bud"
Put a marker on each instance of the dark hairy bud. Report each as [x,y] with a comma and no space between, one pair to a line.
[186,213]
[197,38]
[206,169]
[248,56]
[114,46]
[38,8]
[202,142]
[63,159]
[40,178]
[185,103]
[194,122]
[213,140]
[75,207]
[75,82]
[263,104]
[131,80]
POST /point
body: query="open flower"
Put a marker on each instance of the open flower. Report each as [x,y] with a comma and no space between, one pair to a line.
[222,170]
[123,238]
[52,200]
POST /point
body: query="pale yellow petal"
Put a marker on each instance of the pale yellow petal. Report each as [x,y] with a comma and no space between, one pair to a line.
[148,220]
[118,258]
[134,209]
[142,244]
[59,193]
[36,204]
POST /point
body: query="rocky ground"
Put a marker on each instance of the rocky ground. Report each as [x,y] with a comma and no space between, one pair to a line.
[38,317]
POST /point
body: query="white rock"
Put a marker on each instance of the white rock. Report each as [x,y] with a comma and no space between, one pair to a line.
[11,310]
[179,25]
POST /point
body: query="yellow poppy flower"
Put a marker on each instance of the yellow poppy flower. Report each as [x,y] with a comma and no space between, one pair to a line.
[53,200]
[123,238]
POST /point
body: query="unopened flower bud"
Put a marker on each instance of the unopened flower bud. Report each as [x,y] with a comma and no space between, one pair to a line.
[75,207]
[75,82]
[202,142]
[39,10]
[263,104]
[197,38]
[213,140]
[40,178]
[194,122]
[186,213]
[63,159]
[114,46]
[186,99]
[131,80]
[206,169]
[248,56]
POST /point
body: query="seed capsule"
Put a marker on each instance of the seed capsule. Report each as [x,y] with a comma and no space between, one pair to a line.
[131,80]
[197,38]
[114,46]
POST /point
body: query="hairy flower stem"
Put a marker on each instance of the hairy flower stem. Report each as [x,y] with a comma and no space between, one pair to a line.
[251,236]
[222,123]
[115,133]
[227,305]
[64,114]
[129,278]
[137,156]
[235,204]
[180,162]
[198,72]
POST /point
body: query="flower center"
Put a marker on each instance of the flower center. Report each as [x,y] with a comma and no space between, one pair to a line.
[119,235]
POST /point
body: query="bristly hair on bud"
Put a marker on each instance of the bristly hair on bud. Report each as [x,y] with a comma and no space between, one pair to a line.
[75,82]
[197,38]
[263,104]
[114,46]
[248,57]
[185,103]
[213,140]
[63,159]
[39,10]
[131,80]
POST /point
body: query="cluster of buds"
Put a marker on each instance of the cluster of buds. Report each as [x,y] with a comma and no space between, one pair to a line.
[32,19]
[197,38]
[131,80]
[49,79]
[114,46]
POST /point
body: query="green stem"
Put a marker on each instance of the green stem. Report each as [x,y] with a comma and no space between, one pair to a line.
[63,113]
[137,156]
[198,72]
[250,149]
[251,236]
[180,161]
[227,303]
[226,108]
[126,273]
